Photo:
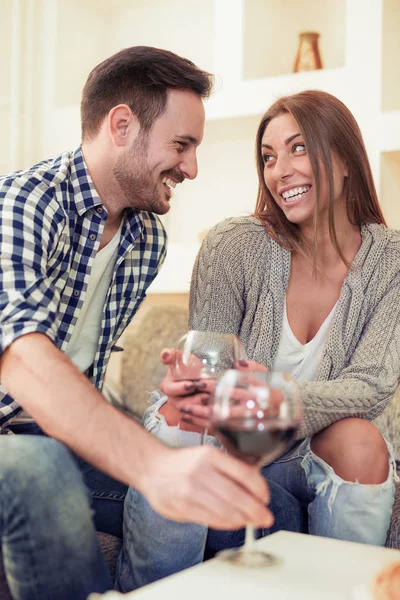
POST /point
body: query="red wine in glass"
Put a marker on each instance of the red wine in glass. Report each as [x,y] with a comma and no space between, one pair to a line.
[256,440]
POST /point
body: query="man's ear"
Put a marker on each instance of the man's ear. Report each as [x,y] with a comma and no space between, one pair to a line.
[123,125]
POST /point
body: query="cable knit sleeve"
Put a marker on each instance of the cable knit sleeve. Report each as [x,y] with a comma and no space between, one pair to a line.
[368,382]
[221,275]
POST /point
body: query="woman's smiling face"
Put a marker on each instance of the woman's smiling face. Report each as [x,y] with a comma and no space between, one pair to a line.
[288,173]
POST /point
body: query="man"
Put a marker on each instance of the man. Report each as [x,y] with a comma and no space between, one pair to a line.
[79,245]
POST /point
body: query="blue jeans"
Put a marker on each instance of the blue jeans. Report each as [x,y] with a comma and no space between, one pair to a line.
[300,482]
[47,516]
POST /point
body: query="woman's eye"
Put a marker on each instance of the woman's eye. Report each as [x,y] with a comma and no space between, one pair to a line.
[267,157]
[299,148]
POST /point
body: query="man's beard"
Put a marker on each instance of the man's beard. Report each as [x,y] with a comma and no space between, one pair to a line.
[135,180]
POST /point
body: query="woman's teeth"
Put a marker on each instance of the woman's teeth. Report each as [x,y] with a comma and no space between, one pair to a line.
[295,194]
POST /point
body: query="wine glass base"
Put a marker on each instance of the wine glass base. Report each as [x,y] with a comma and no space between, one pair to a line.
[249,558]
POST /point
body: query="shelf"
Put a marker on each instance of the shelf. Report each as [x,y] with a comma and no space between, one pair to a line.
[254,97]
[271,32]
[390,55]
[390,188]
[248,99]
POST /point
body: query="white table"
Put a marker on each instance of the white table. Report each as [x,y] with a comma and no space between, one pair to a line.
[313,568]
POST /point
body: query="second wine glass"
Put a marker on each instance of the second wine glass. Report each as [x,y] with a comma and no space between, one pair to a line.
[256,416]
[205,355]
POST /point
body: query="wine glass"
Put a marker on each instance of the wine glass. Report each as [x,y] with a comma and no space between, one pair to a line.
[205,355]
[255,415]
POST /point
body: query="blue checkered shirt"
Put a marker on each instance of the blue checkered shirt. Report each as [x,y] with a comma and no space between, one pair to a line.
[51,222]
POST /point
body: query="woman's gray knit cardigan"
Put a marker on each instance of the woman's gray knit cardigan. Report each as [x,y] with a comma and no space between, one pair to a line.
[239,285]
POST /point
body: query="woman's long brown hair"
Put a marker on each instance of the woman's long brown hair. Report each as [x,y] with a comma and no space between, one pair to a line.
[328,129]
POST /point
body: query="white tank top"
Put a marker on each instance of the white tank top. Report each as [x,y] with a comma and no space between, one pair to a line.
[301,360]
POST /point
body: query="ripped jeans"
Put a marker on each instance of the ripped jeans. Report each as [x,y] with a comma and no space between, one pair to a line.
[300,482]
[336,508]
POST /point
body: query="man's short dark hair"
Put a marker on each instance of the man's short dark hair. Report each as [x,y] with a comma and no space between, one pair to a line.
[140,77]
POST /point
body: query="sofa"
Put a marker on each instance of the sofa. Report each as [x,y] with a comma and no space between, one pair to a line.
[139,372]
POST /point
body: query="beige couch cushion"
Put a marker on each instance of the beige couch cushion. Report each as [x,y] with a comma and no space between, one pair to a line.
[141,369]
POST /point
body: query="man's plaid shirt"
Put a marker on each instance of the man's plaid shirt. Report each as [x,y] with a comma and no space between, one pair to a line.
[51,222]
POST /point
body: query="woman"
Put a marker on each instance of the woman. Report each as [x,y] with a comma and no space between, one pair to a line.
[311,284]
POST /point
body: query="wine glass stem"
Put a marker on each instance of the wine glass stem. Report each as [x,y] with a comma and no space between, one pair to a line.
[203,436]
[249,539]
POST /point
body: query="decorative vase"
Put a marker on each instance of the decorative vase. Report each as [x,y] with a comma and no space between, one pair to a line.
[308,57]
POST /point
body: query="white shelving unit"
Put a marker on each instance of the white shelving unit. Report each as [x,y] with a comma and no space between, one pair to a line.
[272,50]
[390,187]
[251,46]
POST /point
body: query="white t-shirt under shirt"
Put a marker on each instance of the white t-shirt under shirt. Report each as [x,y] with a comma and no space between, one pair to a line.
[301,360]
[84,341]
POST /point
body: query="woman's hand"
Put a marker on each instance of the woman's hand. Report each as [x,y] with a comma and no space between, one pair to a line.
[183,395]
[188,401]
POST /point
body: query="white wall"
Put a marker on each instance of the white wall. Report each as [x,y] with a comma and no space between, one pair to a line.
[5,85]
[83,40]
[182,26]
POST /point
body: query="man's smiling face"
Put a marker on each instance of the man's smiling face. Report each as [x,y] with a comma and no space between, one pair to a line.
[158,160]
